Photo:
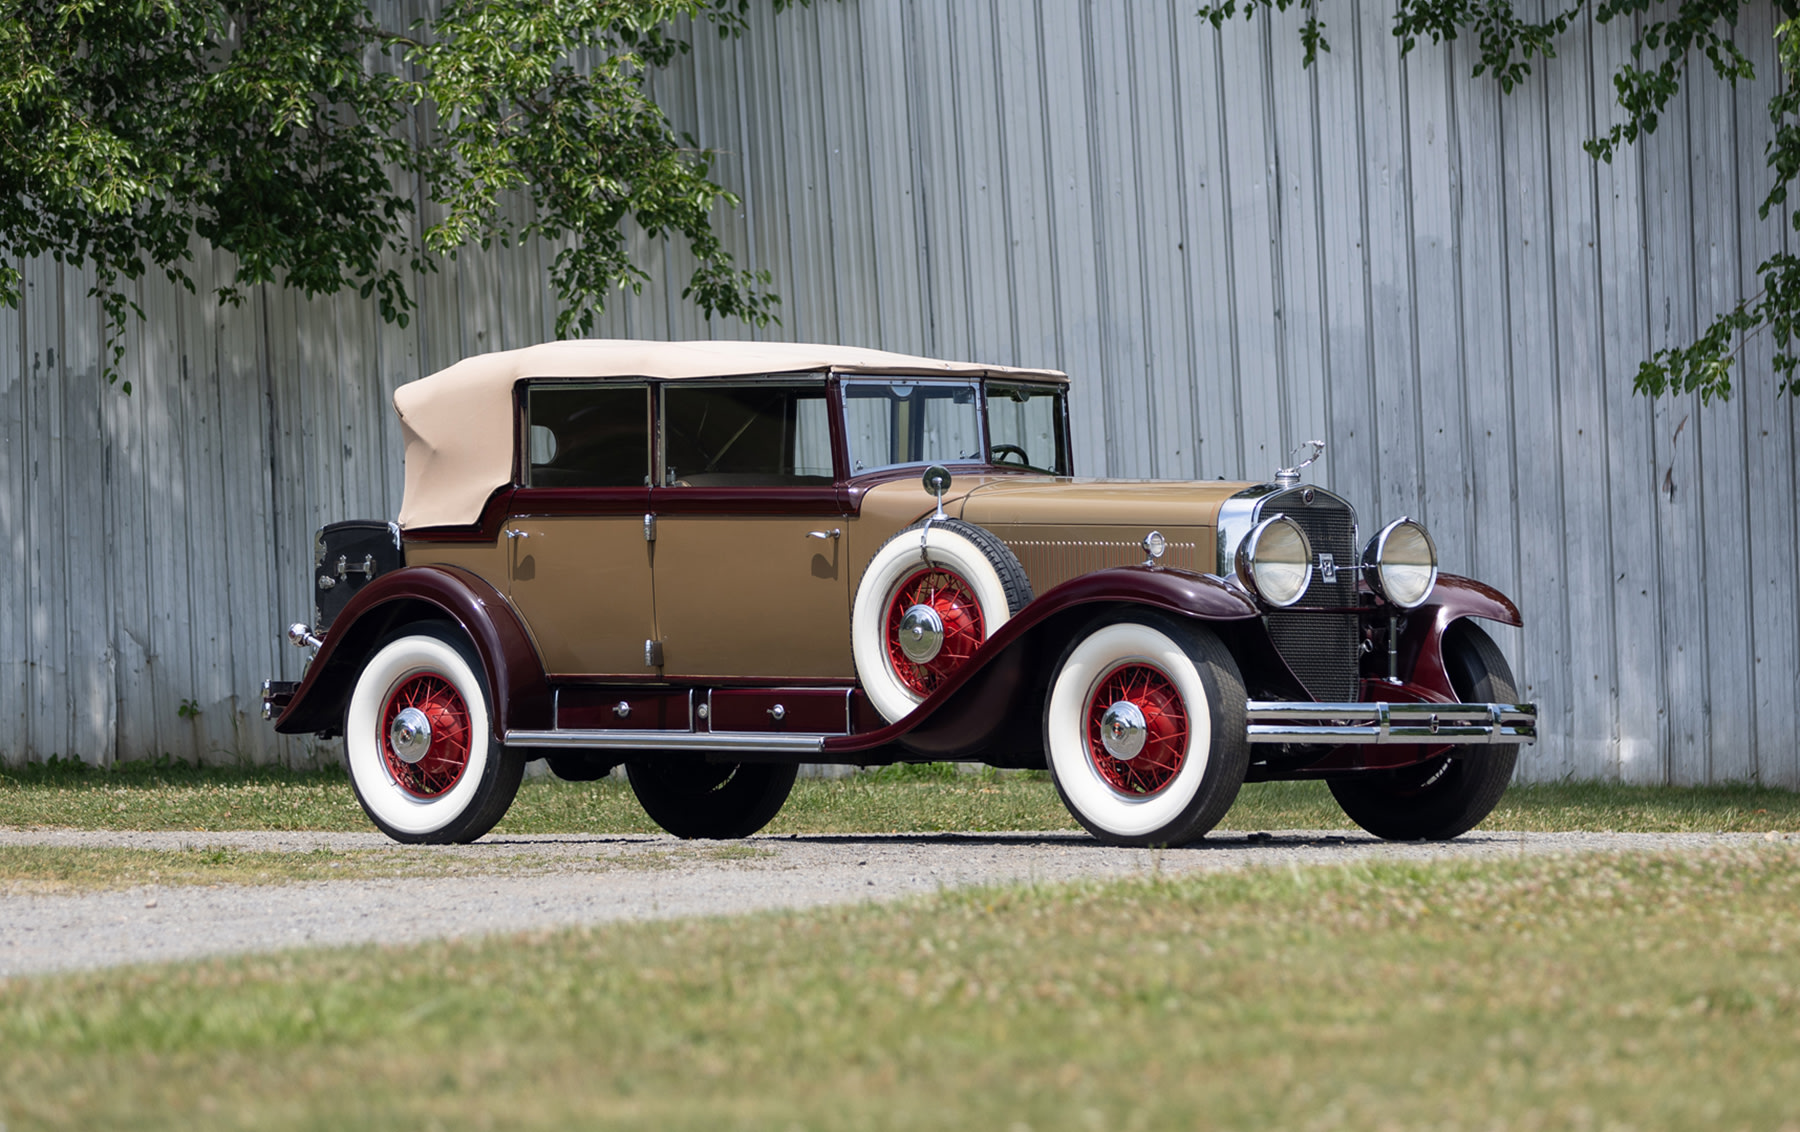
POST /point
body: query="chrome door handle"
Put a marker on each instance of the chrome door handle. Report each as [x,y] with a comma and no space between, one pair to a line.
[830,534]
[510,533]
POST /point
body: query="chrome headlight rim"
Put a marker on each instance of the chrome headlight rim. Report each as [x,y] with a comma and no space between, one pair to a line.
[1250,558]
[1374,562]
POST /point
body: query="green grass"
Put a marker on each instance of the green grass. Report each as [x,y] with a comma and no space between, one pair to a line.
[57,870]
[1594,991]
[169,795]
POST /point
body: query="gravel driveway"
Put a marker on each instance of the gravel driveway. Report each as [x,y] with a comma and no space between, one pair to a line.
[557,881]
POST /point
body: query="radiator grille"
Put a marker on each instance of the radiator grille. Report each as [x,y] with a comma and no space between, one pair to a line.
[1321,647]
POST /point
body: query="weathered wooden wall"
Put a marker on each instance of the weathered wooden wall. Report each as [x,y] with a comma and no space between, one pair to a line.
[1229,253]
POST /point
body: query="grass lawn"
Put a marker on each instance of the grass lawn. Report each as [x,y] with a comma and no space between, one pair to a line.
[894,799]
[1588,992]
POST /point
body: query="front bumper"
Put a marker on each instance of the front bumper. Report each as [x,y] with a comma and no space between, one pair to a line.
[1336,725]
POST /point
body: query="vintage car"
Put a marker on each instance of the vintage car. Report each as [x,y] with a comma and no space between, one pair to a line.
[714,561]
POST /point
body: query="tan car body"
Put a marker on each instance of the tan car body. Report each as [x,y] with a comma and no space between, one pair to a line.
[592,590]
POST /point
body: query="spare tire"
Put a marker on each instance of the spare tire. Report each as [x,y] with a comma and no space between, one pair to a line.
[930,596]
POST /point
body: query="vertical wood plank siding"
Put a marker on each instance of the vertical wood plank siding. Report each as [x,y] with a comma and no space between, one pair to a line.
[1229,253]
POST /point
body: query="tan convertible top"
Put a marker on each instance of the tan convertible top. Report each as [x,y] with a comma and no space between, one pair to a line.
[458,422]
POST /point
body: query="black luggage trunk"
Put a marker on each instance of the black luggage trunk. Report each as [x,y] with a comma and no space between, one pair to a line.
[346,557]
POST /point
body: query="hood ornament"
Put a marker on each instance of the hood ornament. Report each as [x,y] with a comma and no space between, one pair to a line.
[1288,477]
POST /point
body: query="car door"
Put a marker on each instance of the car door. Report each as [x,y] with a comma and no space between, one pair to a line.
[750,571]
[579,559]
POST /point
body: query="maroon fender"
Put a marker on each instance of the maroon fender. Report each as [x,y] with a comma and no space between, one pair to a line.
[974,705]
[442,593]
[1454,599]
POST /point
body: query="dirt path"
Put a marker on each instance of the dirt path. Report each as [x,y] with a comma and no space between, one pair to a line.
[555,881]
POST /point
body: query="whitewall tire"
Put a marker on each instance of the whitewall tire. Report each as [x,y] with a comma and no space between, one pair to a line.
[418,738]
[927,601]
[1144,729]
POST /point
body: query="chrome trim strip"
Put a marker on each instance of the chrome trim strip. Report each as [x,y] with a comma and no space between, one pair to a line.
[668,741]
[1268,721]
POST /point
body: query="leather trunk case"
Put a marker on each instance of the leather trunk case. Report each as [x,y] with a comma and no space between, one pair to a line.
[346,556]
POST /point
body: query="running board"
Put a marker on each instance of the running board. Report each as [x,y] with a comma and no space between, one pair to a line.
[747,741]
[1373,723]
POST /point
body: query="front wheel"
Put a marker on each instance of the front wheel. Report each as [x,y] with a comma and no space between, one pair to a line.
[419,742]
[1144,729]
[1451,794]
[692,798]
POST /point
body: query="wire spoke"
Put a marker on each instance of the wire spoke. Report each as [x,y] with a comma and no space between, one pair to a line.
[1164,751]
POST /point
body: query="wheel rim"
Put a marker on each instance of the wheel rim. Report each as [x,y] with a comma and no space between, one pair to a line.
[1137,695]
[952,602]
[441,767]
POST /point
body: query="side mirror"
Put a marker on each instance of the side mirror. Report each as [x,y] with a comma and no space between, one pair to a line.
[937,482]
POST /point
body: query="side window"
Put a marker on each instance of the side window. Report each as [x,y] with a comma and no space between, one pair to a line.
[1025,427]
[587,435]
[743,435]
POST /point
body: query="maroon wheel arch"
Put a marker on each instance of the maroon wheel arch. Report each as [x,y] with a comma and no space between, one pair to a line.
[415,594]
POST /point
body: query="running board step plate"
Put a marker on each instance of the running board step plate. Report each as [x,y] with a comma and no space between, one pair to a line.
[566,739]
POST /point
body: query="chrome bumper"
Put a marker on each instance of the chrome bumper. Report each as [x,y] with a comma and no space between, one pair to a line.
[1334,725]
[277,694]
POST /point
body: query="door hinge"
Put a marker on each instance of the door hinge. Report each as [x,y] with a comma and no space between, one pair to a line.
[653,654]
[649,528]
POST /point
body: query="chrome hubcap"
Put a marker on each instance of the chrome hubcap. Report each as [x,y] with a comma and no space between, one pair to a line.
[921,634]
[1122,730]
[410,735]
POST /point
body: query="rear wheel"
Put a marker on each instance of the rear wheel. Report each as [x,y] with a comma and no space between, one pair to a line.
[419,742]
[1144,729]
[1451,794]
[693,798]
[577,766]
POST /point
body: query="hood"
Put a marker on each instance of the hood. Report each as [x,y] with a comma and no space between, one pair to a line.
[1048,501]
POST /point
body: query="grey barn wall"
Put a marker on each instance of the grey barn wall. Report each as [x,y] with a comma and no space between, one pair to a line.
[1230,255]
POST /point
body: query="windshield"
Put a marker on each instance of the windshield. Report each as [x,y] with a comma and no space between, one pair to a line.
[894,421]
[1025,427]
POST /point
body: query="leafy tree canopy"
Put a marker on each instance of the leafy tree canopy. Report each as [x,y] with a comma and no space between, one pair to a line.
[1668,39]
[298,135]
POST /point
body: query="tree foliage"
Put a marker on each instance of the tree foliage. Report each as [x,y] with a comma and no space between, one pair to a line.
[302,136]
[1670,37]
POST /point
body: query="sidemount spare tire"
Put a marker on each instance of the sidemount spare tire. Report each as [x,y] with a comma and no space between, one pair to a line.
[929,598]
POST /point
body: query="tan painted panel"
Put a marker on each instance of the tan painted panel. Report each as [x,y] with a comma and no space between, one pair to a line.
[1052,554]
[1140,504]
[485,560]
[582,585]
[752,596]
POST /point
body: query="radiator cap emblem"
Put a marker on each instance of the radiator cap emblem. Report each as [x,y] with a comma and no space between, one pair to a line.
[1288,477]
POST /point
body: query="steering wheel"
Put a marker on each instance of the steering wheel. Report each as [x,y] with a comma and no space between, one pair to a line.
[1000,450]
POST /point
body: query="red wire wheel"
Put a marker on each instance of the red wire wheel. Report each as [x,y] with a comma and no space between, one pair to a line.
[953,600]
[448,756]
[1165,725]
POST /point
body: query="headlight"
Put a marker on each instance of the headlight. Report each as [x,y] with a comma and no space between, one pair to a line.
[1275,561]
[1400,563]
